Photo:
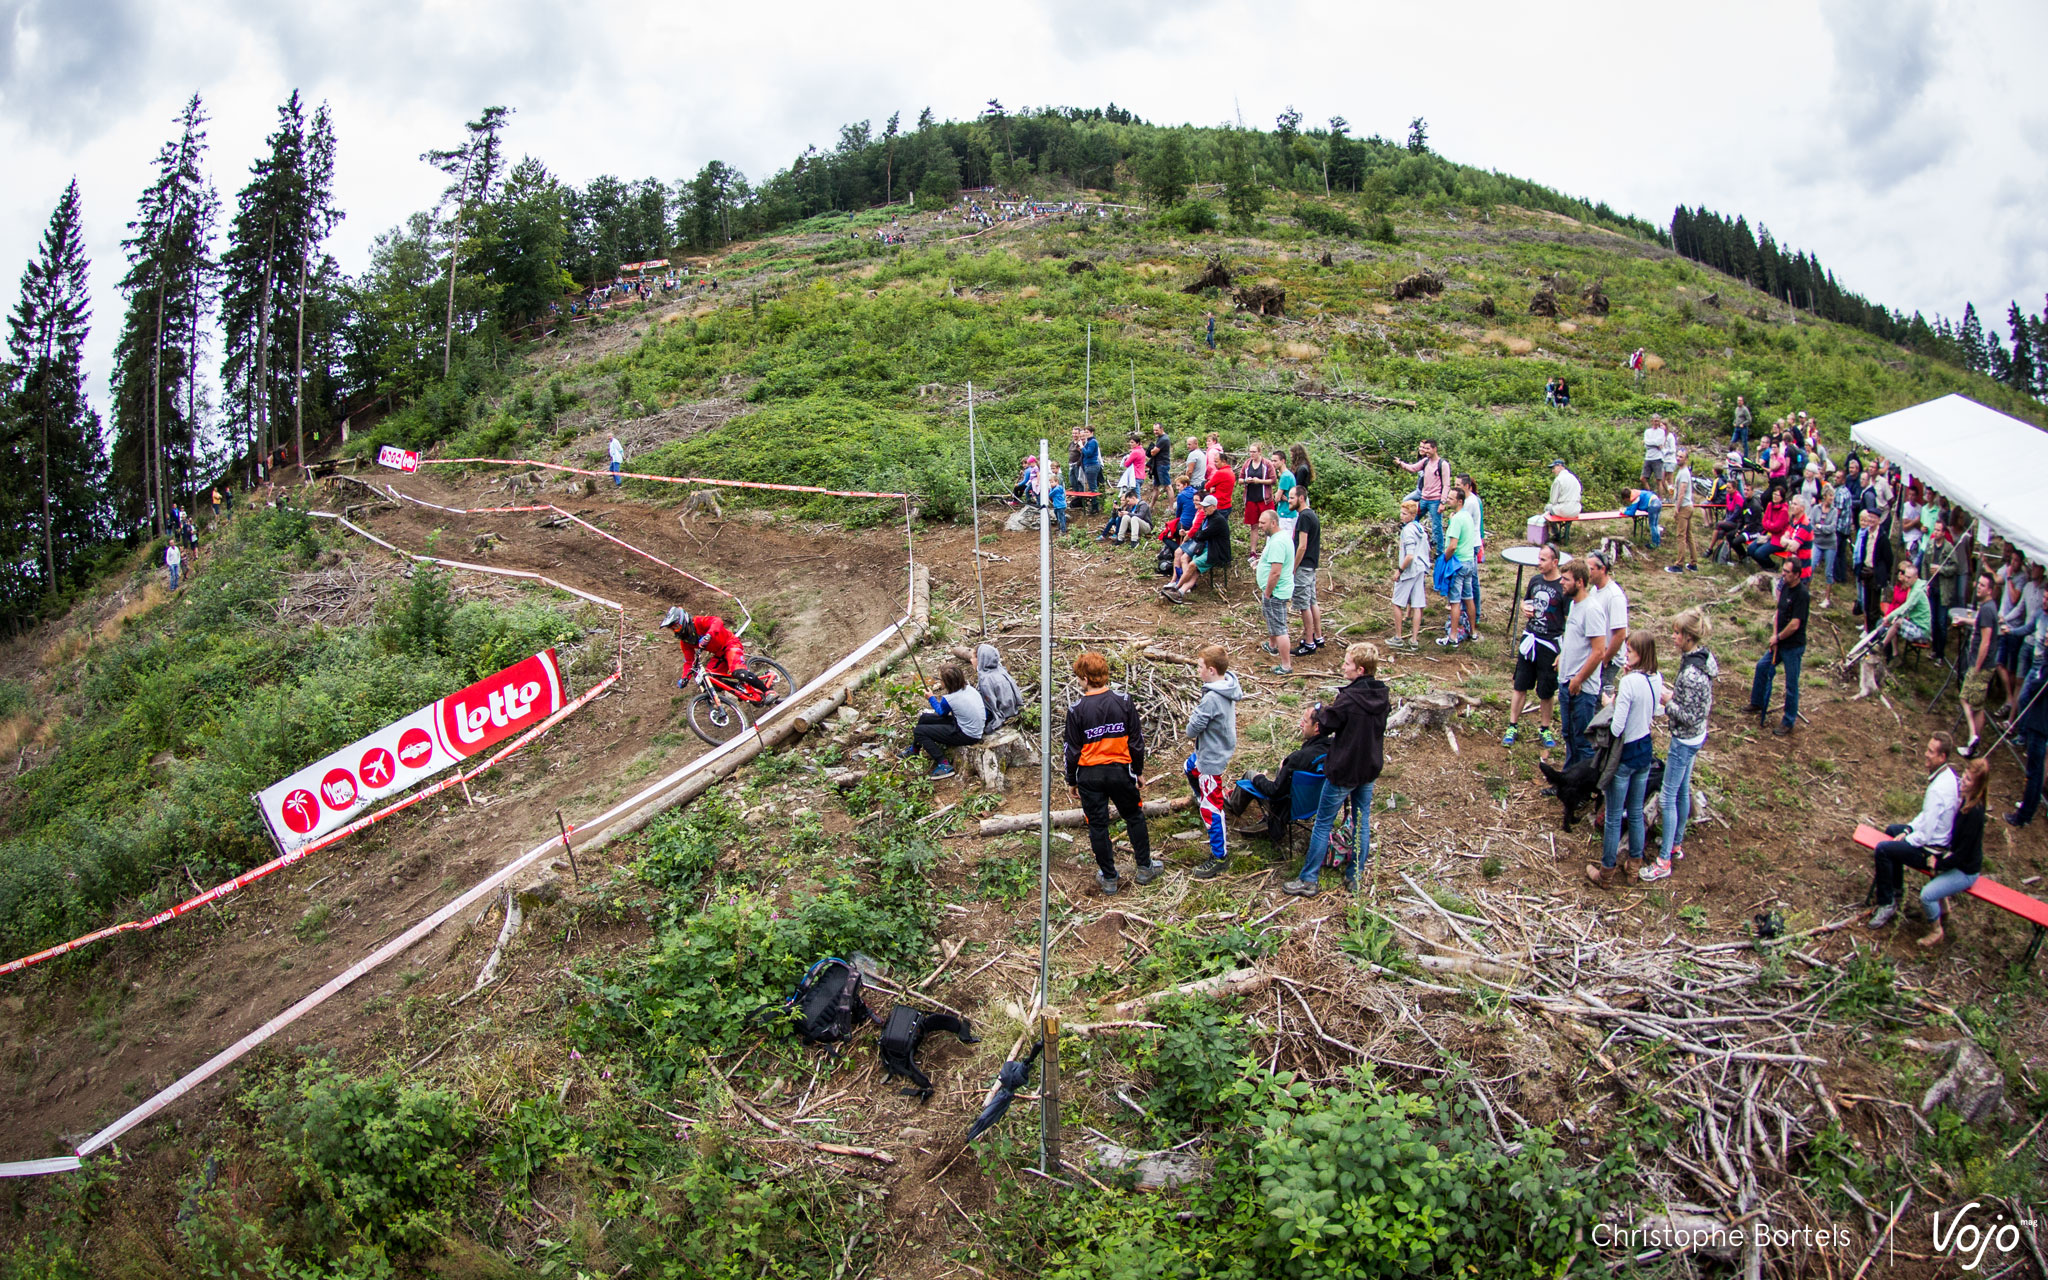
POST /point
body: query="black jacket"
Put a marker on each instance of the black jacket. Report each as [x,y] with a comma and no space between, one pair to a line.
[1965,844]
[1213,536]
[1357,718]
[1103,729]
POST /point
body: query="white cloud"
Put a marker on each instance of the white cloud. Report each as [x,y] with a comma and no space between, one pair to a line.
[1898,140]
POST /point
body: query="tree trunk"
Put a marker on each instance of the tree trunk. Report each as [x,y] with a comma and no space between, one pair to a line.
[156,402]
[454,251]
[49,543]
[299,372]
[262,396]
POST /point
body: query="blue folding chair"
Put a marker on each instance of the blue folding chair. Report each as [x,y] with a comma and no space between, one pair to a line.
[1304,795]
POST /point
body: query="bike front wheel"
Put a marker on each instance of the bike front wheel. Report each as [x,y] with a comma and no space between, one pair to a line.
[717,718]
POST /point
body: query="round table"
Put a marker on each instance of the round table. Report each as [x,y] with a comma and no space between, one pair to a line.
[1523,556]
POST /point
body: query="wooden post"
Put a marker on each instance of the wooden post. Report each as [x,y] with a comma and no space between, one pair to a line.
[1049,1096]
[573,869]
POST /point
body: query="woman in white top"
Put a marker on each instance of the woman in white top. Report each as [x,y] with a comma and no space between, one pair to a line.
[1637,701]
[1411,578]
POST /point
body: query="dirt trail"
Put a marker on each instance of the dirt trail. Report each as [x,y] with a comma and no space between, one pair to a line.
[84,1048]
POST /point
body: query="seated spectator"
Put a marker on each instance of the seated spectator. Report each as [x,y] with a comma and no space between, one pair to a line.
[1275,794]
[1912,619]
[1930,829]
[958,718]
[1026,488]
[1956,871]
[1134,522]
[1772,521]
[999,694]
[1206,548]
[1566,500]
[1646,503]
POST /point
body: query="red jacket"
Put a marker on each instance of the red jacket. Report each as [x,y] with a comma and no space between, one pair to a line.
[721,648]
[1224,485]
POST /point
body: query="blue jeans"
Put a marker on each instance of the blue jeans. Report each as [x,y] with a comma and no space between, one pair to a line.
[1093,475]
[1676,798]
[1740,439]
[1653,508]
[1824,558]
[1433,511]
[2037,757]
[174,577]
[1766,672]
[1946,885]
[1060,514]
[1625,798]
[1578,710]
[616,482]
[1326,819]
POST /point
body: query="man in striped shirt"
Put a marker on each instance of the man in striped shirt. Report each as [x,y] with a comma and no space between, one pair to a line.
[1796,542]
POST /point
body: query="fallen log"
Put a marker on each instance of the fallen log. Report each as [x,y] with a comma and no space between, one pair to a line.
[1005,823]
[1238,982]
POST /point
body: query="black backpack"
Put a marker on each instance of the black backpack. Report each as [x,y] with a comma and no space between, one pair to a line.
[905,1032]
[825,1001]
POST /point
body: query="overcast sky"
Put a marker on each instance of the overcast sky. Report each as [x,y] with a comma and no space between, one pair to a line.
[1904,142]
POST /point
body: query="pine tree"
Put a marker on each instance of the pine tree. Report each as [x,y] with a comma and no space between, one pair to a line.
[1970,341]
[2022,372]
[529,230]
[262,256]
[53,435]
[316,219]
[155,437]
[475,166]
[1418,137]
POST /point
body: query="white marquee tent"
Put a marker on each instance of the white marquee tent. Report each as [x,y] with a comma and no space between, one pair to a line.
[1992,463]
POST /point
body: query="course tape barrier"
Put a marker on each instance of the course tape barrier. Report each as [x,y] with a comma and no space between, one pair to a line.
[642,475]
[254,874]
[566,515]
[476,893]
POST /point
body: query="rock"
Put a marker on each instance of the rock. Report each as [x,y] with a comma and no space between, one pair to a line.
[847,715]
[542,889]
[1974,1088]
[989,766]
[1013,749]
[1021,519]
[844,778]
[1153,1170]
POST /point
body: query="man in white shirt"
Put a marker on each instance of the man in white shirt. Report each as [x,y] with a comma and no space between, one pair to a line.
[618,456]
[1653,455]
[1566,496]
[1929,829]
[1613,603]
[1580,651]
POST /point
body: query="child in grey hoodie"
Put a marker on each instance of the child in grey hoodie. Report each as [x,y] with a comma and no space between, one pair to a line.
[1214,730]
[998,691]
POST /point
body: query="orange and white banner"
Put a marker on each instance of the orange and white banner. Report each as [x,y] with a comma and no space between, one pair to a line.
[390,455]
[326,794]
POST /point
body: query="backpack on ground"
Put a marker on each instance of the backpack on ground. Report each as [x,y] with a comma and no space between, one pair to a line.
[824,1004]
[905,1033]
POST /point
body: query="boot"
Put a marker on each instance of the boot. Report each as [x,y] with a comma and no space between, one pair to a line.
[1602,877]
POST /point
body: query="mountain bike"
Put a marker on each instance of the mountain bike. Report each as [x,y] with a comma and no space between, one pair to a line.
[727,705]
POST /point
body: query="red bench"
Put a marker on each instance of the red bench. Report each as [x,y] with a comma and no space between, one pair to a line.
[2032,910]
[1635,522]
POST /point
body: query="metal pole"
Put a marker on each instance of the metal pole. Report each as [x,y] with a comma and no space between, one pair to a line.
[1048,1112]
[974,499]
[1088,375]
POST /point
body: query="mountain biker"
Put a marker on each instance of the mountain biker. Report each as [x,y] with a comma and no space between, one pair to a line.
[707,635]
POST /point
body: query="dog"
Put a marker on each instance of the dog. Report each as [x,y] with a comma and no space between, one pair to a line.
[1578,787]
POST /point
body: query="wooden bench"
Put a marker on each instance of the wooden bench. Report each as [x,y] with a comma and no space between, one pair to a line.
[1635,522]
[2030,909]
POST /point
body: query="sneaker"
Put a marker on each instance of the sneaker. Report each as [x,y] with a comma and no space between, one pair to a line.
[1448,642]
[1299,888]
[1884,916]
[1107,884]
[906,753]
[1150,872]
[1512,736]
[1692,568]
[1781,730]
[1674,568]
[2013,819]
[1549,738]
[1657,870]
[1320,642]
[1209,869]
[1969,750]
[1677,853]
[1304,649]
[941,770]
[1268,648]
[1283,671]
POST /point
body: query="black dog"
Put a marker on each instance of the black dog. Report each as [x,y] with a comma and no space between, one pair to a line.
[1579,787]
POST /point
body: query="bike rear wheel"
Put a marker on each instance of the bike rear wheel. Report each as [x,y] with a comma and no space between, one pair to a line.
[717,718]
[779,687]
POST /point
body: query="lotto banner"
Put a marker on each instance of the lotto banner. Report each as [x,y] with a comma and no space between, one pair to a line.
[325,795]
[398,459]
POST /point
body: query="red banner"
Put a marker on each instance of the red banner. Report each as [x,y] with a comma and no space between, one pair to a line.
[326,794]
[398,459]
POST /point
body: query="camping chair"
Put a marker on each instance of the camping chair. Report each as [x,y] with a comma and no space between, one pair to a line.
[1305,793]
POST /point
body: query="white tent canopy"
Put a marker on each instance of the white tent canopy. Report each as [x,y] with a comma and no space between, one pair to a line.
[1993,464]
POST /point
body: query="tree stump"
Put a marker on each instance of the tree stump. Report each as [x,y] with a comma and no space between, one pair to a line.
[1428,710]
[1487,308]
[1544,303]
[1262,299]
[1422,284]
[1326,260]
[1214,276]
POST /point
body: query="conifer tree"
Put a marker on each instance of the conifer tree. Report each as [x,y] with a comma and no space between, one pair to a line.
[475,166]
[52,439]
[2022,371]
[1970,340]
[261,261]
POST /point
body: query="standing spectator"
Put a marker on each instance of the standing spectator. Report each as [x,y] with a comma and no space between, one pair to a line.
[1215,448]
[1091,469]
[1106,765]
[1536,657]
[1978,661]
[1653,454]
[1198,465]
[1671,452]
[1159,455]
[1303,470]
[1636,361]
[1931,828]
[1686,500]
[1686,705]
[1477,511]
[2031,724]
[1308,557]
[1579,658]
[1796,542]
[1949,584]
[1645,503]
[1787,649]
[1357,721]
[1132,479]
[174,560]
[1077,479]
[1057,498]
[1743,417]
[618,457]
[1564,504]
[1257,475]
[1458,545]
[2017,612]
[1821,516]
[1872,566]
[216,504]
[1275,575]
[1213,728]
[1637,700]
[1222,485]
[1956,871]
[1433,482]
[957,718]
[1550,392]
[1210,333]
[1411,576]
[1613,603]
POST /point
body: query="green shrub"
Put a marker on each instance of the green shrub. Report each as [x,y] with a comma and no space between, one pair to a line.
[1196,1060]
[1327,221]
[1191,216]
